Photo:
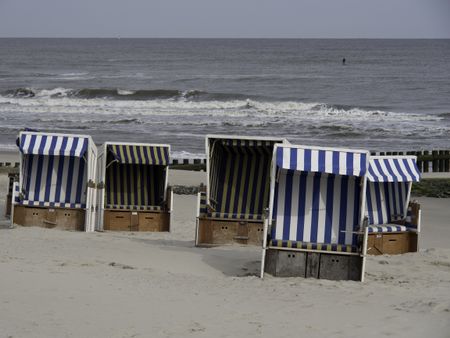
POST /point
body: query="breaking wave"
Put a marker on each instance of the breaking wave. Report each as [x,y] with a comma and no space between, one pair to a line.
[127,106]
[190,102]
[119,94]
[194,113]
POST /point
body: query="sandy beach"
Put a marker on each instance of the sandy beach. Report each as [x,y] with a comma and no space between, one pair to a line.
[72,284]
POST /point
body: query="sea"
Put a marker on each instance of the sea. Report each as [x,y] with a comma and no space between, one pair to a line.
[390,95]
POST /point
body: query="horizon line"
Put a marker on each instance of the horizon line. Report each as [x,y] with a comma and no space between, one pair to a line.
[227,38]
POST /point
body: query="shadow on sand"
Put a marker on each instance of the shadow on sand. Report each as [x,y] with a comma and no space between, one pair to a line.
[231,260]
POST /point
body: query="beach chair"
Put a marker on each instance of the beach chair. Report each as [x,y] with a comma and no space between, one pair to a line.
[56,186]
[313,227]
[393,220]
[133,190]
[237,190]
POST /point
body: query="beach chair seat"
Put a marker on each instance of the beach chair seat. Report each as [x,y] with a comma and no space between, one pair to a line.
[134,207]
[231,209]
[51,204]
[387,228]
[221,215]
[393,222]
[56,186]
[274,243]
[67,216]
[136,194]
[314,223]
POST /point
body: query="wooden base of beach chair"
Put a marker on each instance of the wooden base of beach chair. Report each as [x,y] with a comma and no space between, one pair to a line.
[154,221]
[281,263]
[221,231]
[392,243]
[136,221]
[60,218]
[287,263]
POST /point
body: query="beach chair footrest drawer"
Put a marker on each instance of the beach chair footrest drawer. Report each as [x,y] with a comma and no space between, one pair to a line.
[286,263]
[136,221]
[392,243]
[219,232]
[61,218]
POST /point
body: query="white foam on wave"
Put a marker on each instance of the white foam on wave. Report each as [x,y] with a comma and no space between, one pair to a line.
[73,76]
[59,109]
[57,100]
[8,147]
[49,93]
[125,92]
[186,154]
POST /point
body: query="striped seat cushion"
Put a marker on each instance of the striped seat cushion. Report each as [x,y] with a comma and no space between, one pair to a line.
[313,246]
[387,228]
[50,204]
[134,207]
[235,216]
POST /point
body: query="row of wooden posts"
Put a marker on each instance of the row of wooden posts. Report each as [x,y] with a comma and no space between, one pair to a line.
[427,161]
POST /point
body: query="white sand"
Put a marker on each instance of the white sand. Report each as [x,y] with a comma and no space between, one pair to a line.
[63,284]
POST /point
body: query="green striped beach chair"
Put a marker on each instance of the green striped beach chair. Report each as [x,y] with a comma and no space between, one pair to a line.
[134,193]
[237,190]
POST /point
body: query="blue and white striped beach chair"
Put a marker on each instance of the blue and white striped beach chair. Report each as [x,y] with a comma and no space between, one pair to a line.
[56,185]
[393,222]
[134,180]
[237,189]
[314,222]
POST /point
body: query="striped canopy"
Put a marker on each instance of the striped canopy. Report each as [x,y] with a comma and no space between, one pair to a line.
[338,162]
[393,169]
[56,145]
[386,202]
[55,181]
[140,154]
[312,207]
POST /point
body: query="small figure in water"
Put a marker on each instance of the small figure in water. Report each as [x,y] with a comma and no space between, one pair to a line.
[343,61]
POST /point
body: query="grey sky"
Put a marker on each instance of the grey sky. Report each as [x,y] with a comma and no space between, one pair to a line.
[226,18]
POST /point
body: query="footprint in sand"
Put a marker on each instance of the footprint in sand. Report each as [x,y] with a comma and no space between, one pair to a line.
[122,266]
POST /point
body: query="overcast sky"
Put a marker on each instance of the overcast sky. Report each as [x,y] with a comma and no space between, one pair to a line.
[226,18]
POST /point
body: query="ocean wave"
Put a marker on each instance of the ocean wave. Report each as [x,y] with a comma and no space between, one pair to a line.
[186,154]
[173,112]
[122,94]
[63,101]
[73,76]
[93,93]
[164,102]
[87,121]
